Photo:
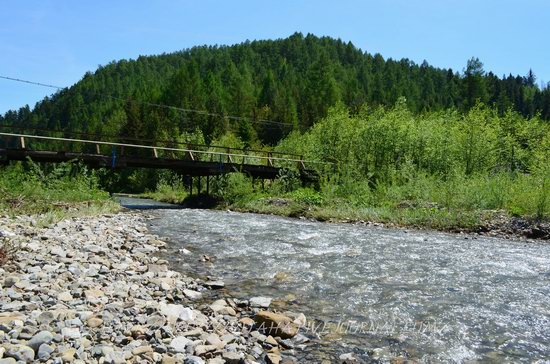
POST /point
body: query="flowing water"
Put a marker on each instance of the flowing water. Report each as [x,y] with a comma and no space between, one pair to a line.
[422,295]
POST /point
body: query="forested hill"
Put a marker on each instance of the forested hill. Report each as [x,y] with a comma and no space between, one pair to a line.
[293,80]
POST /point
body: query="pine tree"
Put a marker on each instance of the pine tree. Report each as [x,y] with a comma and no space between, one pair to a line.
[474,88]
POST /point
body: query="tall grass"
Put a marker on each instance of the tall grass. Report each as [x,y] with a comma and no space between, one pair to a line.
[53,192]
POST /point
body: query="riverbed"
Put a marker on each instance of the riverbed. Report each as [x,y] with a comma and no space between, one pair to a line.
[379,293]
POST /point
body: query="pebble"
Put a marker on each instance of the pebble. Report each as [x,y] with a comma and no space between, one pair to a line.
[94,322]
[8,361]
[276,324]
[43,337]
[67,356]
[180,343]
[348,358]
[214,284]
[70,332]
[20,352]
[45,351]
[193,360]
[260,302]
[10,281]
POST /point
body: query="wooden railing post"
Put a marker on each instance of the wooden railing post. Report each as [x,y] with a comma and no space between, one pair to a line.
[97,149]
[301,164]
[22,142]
[269,160]
[229,159]
[190,153]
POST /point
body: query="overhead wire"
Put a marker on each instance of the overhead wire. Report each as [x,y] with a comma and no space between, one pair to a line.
[180,109]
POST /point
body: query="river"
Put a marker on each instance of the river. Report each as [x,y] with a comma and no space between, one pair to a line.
[377,292]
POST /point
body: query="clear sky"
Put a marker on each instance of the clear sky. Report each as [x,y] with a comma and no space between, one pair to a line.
[57,41]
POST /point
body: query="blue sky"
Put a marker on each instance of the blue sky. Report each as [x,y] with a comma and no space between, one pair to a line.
[56,42]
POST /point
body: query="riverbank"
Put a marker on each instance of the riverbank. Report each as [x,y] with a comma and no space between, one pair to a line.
[91,290]
[495,223]
[485,223]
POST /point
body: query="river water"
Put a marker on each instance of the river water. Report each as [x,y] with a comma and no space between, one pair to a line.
[377,292]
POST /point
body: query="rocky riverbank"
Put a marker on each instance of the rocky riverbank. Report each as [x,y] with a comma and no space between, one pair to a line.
[91,290]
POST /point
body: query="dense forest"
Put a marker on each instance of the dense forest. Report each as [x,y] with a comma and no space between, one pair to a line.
[273,86]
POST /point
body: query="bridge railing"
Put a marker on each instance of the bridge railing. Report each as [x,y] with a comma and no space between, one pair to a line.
[199,153]
[64,140]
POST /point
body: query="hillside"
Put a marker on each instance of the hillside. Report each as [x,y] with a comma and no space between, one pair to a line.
[291,81]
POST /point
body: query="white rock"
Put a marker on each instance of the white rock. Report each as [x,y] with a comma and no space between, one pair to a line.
[177,311]
[65,296]
[262,302]
[56,250]
[192,295]
[179,344]
[71,332]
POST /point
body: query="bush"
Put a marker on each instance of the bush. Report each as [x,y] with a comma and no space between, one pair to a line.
[234,188]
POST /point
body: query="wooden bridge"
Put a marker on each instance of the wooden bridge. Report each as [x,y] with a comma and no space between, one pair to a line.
[190,160]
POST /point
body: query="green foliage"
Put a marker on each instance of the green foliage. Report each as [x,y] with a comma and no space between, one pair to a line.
[234,188]
[60,190]
[169,188]
[307,196]
[444,160]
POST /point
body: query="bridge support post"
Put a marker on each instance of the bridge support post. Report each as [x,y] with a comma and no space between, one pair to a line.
[199,186]
[3,157]
[208,185]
